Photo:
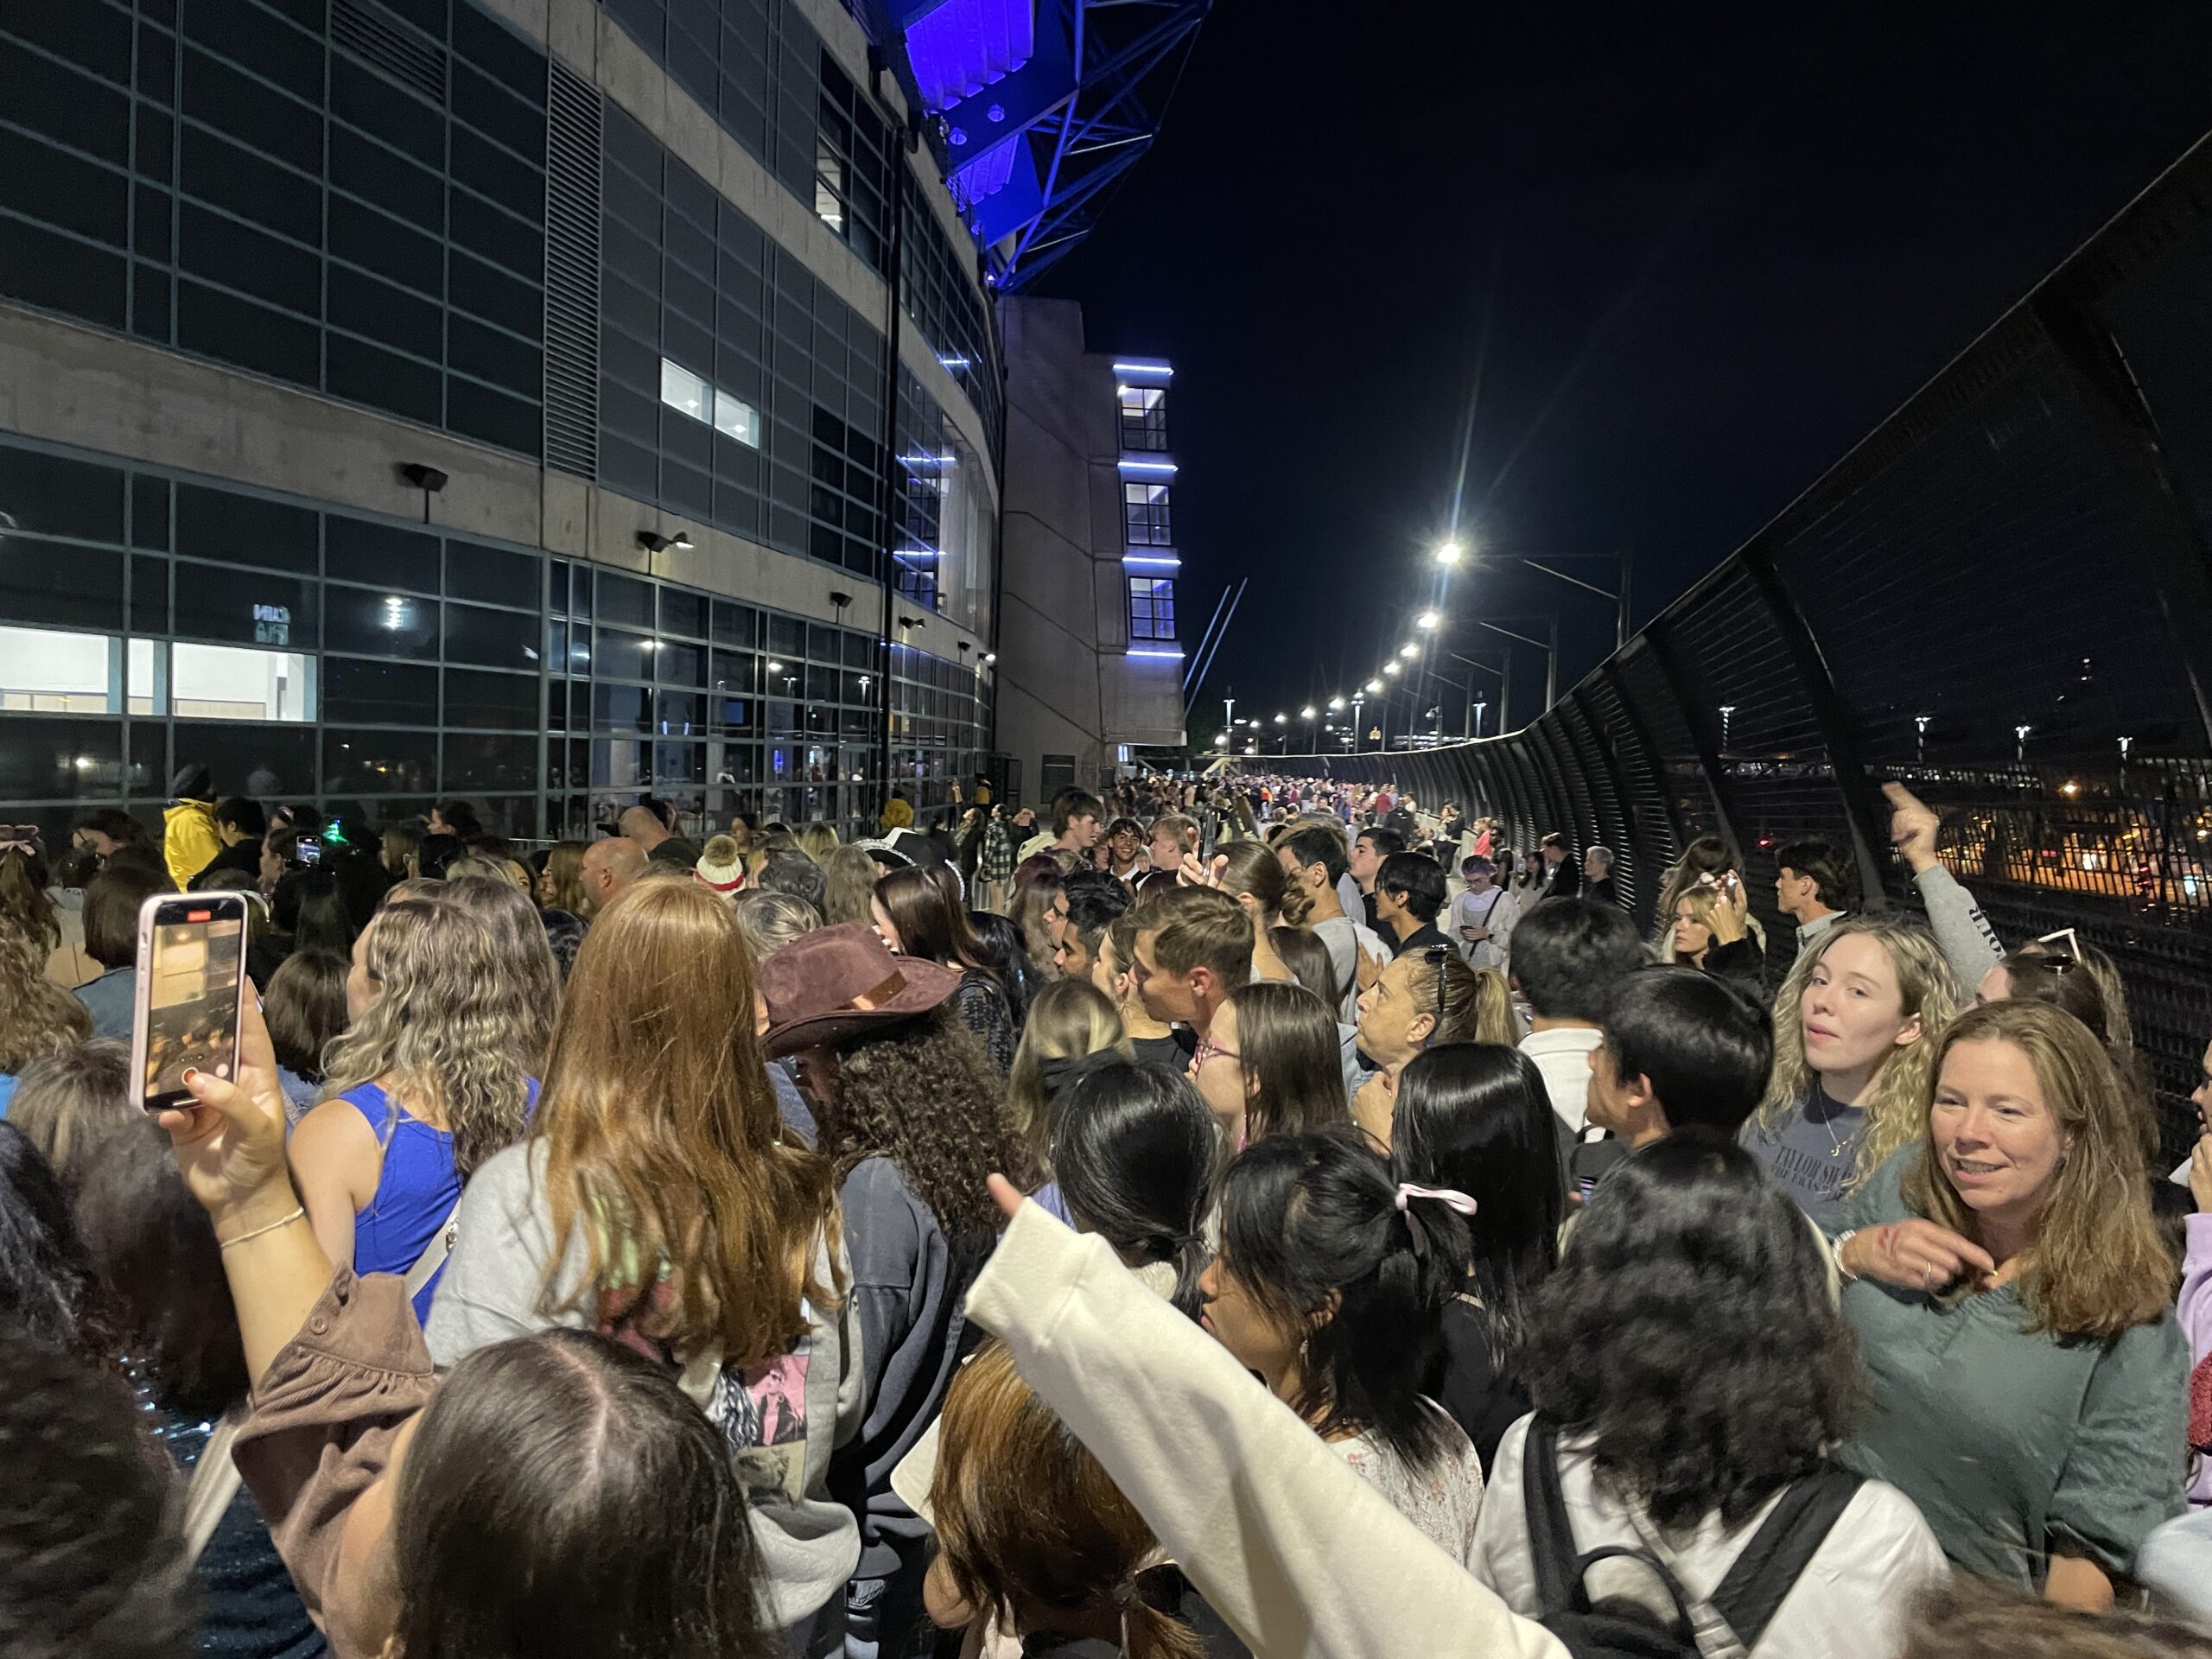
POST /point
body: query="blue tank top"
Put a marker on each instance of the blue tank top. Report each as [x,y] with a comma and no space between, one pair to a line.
[415,1193]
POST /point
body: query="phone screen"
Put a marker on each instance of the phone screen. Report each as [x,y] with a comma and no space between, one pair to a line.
[309,852]
[191,975]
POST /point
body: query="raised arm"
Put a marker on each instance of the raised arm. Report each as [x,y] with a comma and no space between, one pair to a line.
[1302,1558]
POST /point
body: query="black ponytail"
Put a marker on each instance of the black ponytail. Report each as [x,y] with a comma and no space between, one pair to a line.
[1135,1151]
[1304,1215]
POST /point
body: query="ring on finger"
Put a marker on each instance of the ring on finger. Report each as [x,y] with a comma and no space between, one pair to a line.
[1927,1276]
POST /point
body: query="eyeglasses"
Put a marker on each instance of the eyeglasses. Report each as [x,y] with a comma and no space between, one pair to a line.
[1208,1049]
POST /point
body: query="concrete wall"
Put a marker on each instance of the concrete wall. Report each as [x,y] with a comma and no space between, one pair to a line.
[1066,686]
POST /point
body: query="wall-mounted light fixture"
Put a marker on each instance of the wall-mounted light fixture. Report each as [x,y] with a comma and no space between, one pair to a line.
[653,542]
[421,477]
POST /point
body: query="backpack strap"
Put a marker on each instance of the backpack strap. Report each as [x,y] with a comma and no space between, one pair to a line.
[1551,1556]
[214,1482]
[434,1254]
[1769,1565]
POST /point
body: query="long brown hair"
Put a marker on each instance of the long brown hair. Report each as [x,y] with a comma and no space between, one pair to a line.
[1287,1041]
[565,878]
[2098,1267]
[37,1017]
[663,1142]
[24,905]
[1253,867]
[1029,1523]
[930,925]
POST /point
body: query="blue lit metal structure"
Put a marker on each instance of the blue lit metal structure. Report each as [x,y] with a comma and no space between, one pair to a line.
[1037,108]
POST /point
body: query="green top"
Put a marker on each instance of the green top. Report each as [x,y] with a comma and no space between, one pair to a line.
[2014,1446]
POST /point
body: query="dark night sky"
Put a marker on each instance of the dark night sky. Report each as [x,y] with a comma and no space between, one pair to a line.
[1718,245]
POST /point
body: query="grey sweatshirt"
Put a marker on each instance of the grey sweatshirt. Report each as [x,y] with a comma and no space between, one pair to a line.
[1962,932]
[906,1294]
[783,1423]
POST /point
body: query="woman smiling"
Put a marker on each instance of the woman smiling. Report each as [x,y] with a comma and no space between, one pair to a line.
[2010,1295]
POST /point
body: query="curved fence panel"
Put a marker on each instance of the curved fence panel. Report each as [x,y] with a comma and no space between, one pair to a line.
[2002,597]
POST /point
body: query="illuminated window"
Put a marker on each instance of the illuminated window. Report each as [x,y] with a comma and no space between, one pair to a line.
[728,414]
[1144,417]
[233,683]
[1152,607]
[1145,507]
[680,389]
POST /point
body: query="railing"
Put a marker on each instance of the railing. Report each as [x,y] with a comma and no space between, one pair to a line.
[2001,596]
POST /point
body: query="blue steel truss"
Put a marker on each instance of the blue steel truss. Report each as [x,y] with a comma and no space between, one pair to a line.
[1034,146]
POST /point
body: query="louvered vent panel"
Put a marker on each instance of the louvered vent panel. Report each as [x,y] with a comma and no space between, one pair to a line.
[572,207]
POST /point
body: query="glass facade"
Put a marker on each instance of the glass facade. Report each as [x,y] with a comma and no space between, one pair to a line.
[371,666]
[357,209]
[351,196]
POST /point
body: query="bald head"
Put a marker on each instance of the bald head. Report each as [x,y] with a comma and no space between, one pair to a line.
[610,866]
[642,825]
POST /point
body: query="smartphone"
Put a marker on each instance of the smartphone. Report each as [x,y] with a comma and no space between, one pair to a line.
[308,851]
[190,993]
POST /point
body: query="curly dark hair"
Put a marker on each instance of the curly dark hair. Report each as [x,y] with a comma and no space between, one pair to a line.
[925,1096]
[1688,1332]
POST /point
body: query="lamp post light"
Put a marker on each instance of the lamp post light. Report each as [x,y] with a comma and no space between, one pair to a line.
[1360,701]
[1479,707]
[1619,596]
[1426,620]
[1448,555]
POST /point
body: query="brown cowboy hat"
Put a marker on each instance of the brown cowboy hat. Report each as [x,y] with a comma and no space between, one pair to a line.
[836,983]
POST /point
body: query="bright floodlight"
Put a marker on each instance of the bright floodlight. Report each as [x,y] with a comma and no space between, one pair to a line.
[1409,649]
[1335,705]
[1375,685]
[1307,713]
[1427,619]
[1280,719]
[1389,668]
[1220,737]
[1448,555]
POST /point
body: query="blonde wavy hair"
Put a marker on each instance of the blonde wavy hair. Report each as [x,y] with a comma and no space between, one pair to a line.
[1070,1018]
[1895,1101]
[1704,904]
[1476,1006]
[664,1146]
[818,840]
[456,1025]
[2098,1266]
[565,878]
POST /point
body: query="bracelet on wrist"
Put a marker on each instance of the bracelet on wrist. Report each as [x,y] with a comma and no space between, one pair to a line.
[298,1213]
[1842,1239]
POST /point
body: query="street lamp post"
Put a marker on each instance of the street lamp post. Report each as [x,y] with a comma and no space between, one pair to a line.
[1549,645]
[1504,688]
[1547,564]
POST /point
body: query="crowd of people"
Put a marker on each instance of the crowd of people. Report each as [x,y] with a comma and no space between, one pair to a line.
[1246,1215]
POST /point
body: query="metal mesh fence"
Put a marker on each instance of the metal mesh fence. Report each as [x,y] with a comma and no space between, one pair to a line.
[2001,597]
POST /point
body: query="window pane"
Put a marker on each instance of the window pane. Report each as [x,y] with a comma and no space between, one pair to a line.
[682,612]
[62,497]
[680,714]
[735,418]
[395,694]
[499,702]
[681,389]
[621,708]
[54,583]
[226,682]
[623,655]
[380,623]
[383,554]
[499,764]
[60,759]
[623,598]
[247,605]
[243,530]
[678,664]
[48,673]
[271,762]
[379,763]
[495,638]
[491,573]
